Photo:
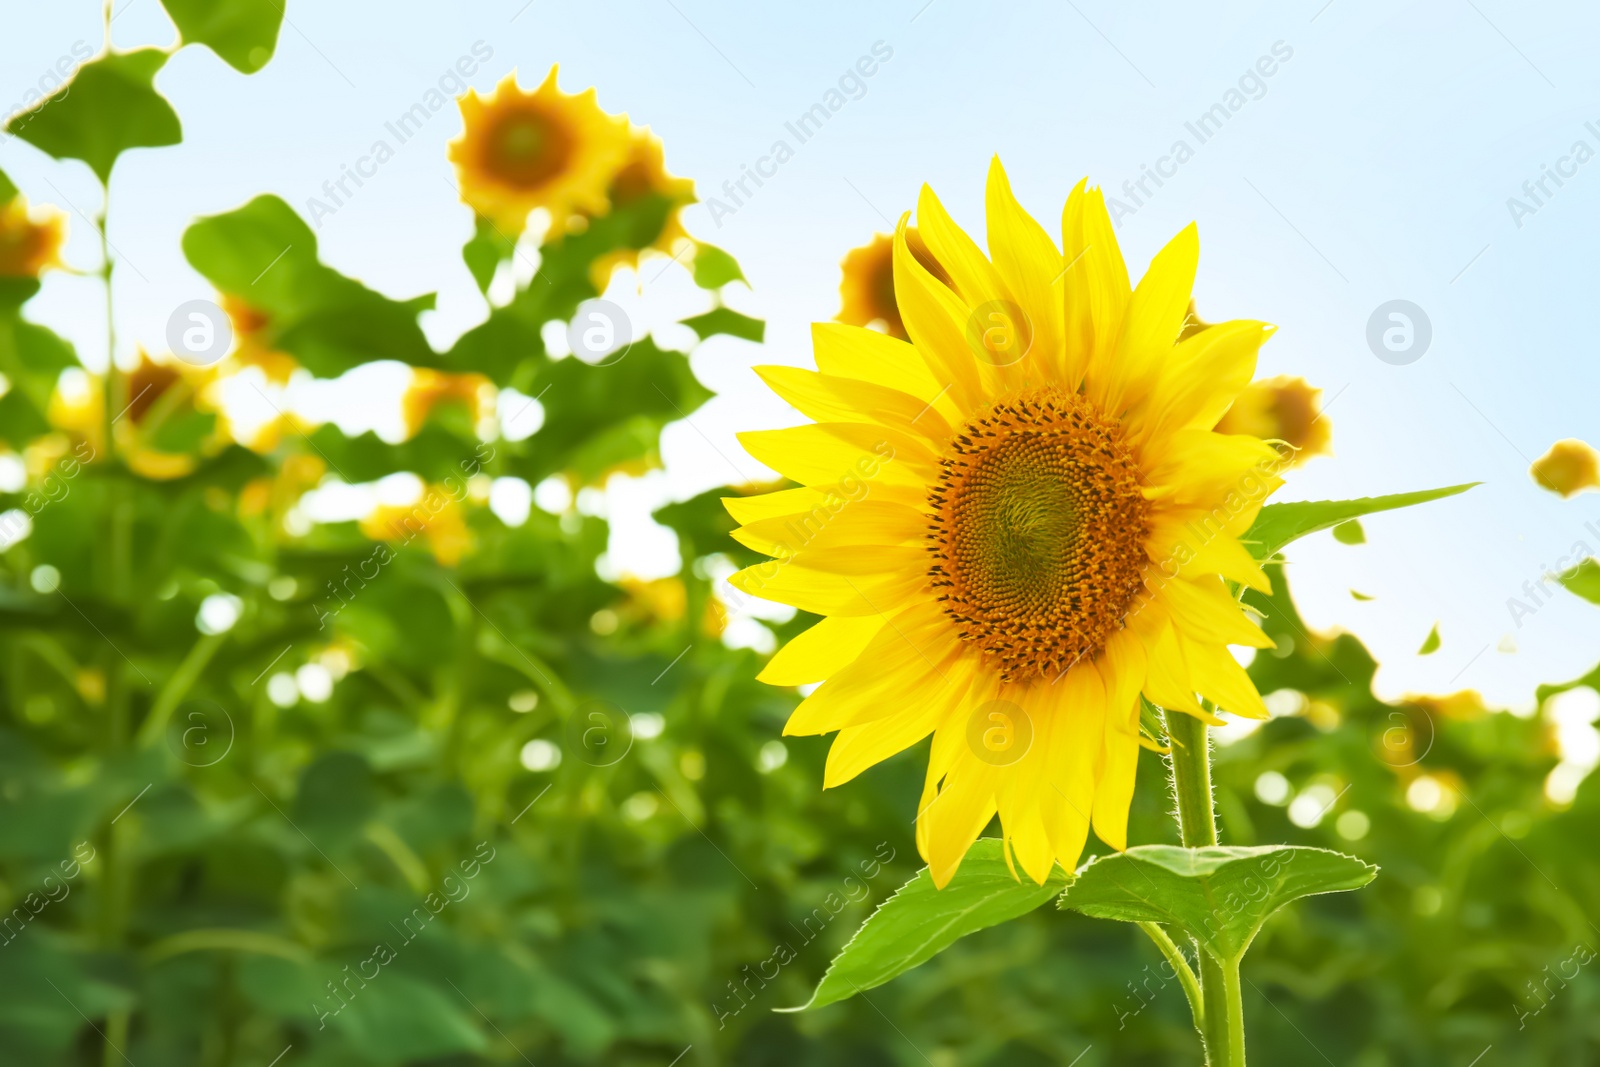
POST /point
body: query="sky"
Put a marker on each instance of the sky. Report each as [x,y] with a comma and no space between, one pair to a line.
[1383,158]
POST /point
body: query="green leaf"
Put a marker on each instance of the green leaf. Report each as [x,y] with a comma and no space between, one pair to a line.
[919,921]
[1584,579]
[484,253]
[728,321]
[1350,532]
[1430,644]
[1281,524]
[1220,895]
[265,255]
[8,189]
[108,107]
[243,32]
[714,268]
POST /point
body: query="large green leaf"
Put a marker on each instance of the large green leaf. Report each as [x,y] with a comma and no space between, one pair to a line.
[243,32]
[1280,524]
[109,106]
[265,256]
[919,921]
[1220,895]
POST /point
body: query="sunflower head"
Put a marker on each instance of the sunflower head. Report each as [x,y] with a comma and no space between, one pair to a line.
[1017,519]
[546,149]
[642,177]
[1282,409]
[866,288]
[30,240]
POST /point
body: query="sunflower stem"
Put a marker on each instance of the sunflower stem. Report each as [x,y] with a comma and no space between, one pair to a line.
[1180,967]
[1221,1003]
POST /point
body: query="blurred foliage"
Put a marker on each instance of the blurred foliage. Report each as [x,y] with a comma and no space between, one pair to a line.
[310,837]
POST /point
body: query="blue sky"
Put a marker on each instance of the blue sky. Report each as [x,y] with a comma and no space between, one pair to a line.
[1374,163]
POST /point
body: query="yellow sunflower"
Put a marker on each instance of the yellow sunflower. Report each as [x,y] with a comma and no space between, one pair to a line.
[866,288]
[1014,524]
[1282,409]
[1569,467]
[524,150]
[644,174]
[154,393]
[30,241]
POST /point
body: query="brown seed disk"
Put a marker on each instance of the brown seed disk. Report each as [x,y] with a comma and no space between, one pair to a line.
[1038,537]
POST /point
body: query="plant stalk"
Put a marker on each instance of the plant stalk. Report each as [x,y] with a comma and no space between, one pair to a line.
[1221,1002]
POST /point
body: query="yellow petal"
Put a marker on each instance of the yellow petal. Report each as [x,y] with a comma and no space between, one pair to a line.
[828,593]
[936,320]
[864,522]
[1203,610]
[1218,677]
[829,399]
[821,651]
[910,651]
[1200,381]
[1150,327]
[1031,265]
[1122,666]
[866,355]
[833,453]
[1095,283]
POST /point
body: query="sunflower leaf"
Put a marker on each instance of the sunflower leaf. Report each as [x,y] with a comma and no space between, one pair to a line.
[714,268]
[243,33]
[1220,895]
[109,106]
[728,321]
[1280,524]
[919,921]
[1584,580]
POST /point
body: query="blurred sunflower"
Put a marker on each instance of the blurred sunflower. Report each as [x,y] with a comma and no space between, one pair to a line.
[163,403]
[524,150]
[1015,524]
[644,175]
[1282,409]
[1569,467]
[30,240]
[866,290]
[439,518]
[252,347]
[430,389]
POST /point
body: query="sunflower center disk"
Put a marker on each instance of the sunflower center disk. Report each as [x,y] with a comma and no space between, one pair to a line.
[1038,538]
[527,147]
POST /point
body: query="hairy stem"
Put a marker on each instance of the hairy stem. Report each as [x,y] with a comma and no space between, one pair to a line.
[1223,1030]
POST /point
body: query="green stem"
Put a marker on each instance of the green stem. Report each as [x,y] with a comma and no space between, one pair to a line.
[1180,966]
[1223,1008]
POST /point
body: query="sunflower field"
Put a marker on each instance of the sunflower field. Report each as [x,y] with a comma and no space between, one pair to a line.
[986,732]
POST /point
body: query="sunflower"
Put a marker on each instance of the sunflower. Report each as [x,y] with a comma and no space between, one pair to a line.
[430,389]
[644,175]
[1015,524]
[155,394]
[866,289]
[1281,409]
[1569,467]
[30,241]
[522,150]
